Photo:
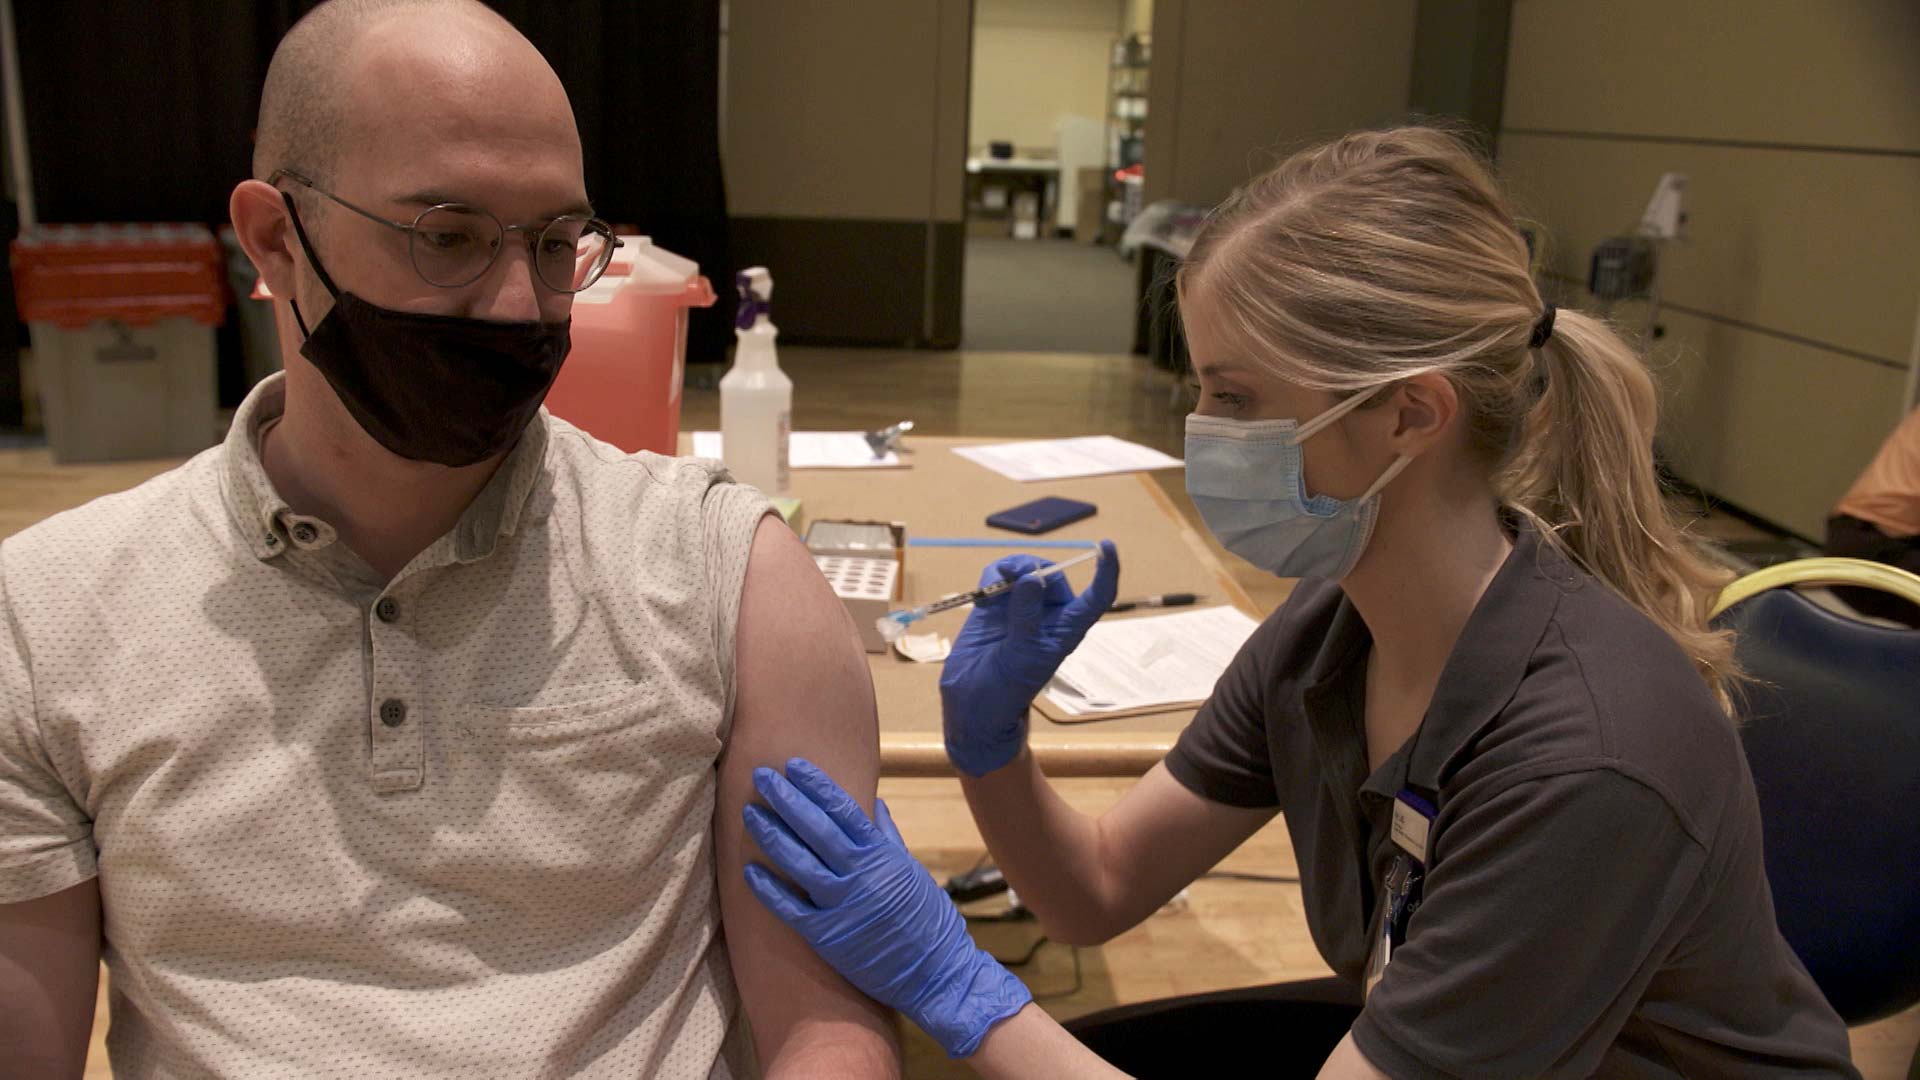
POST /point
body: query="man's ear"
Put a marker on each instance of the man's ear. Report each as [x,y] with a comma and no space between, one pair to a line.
[1425,407]
[260,222]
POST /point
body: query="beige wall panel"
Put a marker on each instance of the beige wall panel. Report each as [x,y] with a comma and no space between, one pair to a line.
[1025,78]
[1165,74]
[1814,72]
[952,68]
[850,109]
[1821,245]
[1775,427]
[1255,79]
[1102,15]
[1139,16]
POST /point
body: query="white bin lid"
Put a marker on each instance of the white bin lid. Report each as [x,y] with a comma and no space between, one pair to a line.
[639,265]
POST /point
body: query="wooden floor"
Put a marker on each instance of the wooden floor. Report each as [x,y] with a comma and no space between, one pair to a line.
[1223,933]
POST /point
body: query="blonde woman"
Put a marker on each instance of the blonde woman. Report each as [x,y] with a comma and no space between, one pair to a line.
[1492,712]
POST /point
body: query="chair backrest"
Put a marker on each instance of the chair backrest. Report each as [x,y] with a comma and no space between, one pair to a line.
[1832,733]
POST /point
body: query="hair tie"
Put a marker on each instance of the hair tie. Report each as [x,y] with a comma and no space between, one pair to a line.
[1543,329]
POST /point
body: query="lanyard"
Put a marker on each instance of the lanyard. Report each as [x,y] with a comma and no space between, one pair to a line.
[1402,891]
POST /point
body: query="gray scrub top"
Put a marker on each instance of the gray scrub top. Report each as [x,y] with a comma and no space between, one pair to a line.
[1595,896]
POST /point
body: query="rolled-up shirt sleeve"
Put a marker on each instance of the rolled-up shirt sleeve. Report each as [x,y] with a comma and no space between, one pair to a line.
[46,839]
[1550,907]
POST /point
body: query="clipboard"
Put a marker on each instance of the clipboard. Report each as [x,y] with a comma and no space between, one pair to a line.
[1118,664]
[1045,707]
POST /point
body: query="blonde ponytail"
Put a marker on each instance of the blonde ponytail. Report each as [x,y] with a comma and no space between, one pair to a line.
[1387,254]
[1583,472]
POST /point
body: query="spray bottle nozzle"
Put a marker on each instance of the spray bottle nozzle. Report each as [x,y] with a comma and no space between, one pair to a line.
[755,286]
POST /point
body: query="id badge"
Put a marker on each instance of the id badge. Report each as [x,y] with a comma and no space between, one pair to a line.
[1402,890]
[1412,821]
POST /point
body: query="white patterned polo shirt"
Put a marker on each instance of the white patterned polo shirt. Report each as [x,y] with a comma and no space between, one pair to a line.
[455,824]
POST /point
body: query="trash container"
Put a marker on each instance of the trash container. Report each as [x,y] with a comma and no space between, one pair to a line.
[259,342]
[121,318]
[621,381]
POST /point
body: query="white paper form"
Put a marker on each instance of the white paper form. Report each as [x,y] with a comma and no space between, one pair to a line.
[1150,661]
[813,450]
[1060,459]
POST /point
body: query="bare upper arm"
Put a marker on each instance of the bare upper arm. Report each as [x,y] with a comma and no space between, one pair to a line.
[801,690]
[49,974]
[1159,838]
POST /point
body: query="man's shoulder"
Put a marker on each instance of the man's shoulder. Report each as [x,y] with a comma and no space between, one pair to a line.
[644,490]
[574,449]
[599,469]
[624,511]
[97,536]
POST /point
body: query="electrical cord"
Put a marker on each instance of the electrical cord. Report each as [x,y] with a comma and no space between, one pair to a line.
[1027,958]
[984,880]
[1017,913]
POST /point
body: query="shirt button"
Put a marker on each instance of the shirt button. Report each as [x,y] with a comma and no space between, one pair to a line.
[387,610]
[305,533]
[393,712]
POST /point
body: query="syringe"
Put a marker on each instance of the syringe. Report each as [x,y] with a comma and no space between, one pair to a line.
[893,625]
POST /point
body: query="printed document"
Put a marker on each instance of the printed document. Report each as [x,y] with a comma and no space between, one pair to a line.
[812,450]
[1151,661]
[1062,459]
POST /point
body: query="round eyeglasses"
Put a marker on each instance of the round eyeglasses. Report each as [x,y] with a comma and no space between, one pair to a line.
[452,244]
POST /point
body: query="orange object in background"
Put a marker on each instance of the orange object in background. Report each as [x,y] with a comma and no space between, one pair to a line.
[72,275]
[622,379]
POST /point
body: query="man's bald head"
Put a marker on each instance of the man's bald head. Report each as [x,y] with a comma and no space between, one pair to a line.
[304,105]
[396,107]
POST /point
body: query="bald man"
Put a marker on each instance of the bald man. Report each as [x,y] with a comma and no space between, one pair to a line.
[407,733]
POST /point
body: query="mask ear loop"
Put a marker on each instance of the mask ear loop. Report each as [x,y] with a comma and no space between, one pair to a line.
[1319,423]
[1400,462]
[313,260]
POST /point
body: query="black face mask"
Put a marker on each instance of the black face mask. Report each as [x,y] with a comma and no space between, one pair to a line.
[440,388]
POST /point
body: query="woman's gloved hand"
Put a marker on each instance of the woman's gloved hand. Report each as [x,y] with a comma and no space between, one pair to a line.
[872,911]
[1011,645]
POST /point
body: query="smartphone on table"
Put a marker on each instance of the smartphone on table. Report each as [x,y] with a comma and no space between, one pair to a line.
[1042,515]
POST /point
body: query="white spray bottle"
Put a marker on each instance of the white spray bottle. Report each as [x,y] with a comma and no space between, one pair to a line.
[756,397]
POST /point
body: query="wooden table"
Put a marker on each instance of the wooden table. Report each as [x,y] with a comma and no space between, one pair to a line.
[945,495]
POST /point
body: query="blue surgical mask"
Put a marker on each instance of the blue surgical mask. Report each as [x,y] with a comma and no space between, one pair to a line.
[1248,482]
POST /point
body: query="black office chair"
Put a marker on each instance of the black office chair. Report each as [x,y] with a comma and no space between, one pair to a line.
[1832,733]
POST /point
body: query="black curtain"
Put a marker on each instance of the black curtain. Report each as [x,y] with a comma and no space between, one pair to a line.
[145,112]
[644,76]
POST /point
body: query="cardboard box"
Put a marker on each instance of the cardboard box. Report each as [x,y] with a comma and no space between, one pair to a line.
[1026,216]
[997,228]
[1090,205]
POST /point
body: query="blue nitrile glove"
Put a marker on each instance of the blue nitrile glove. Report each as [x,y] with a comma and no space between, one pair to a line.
[873,912]
[1009,648]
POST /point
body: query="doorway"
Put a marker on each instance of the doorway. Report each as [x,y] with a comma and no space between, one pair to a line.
[1057,108]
